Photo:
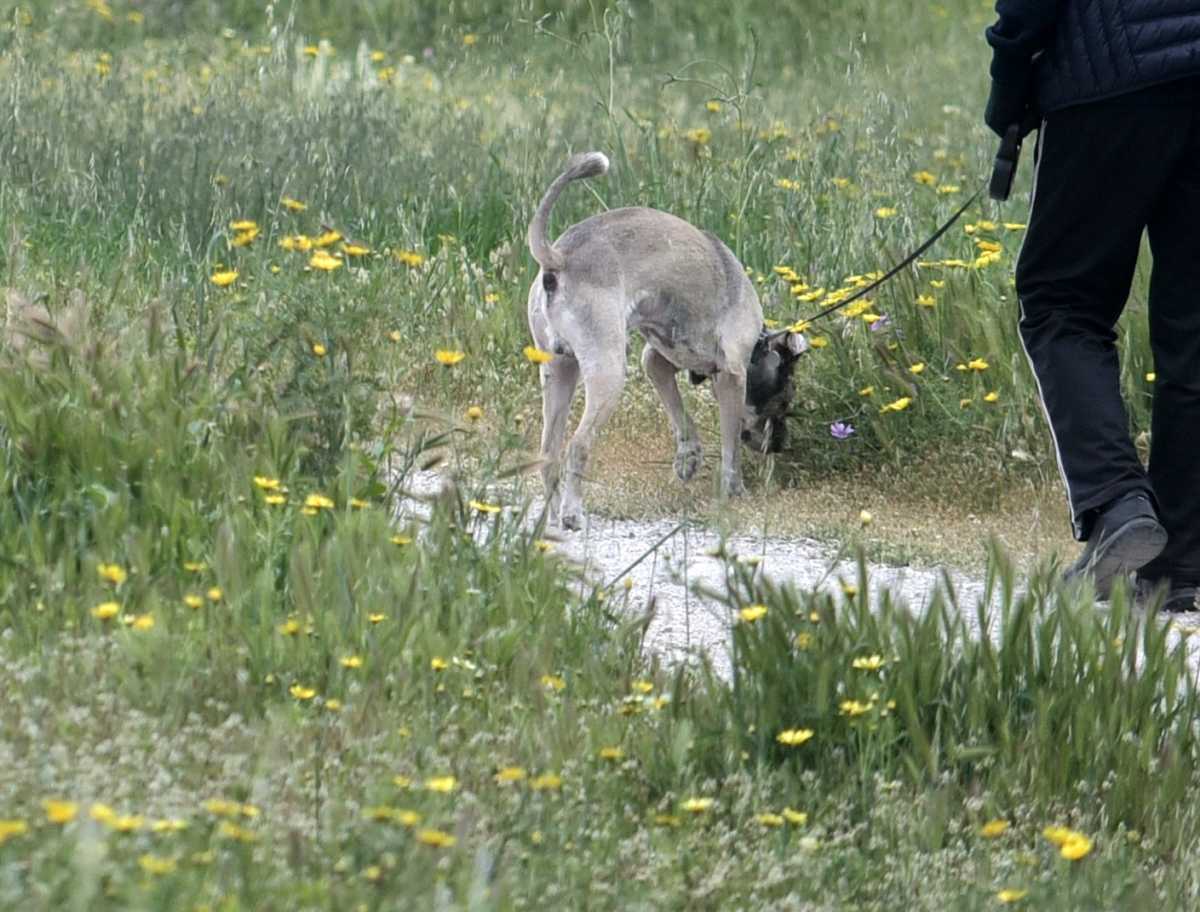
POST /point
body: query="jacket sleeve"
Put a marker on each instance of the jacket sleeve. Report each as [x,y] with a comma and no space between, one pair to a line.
[1024,28]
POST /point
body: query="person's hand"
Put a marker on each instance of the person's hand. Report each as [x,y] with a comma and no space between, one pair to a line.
[1008,104]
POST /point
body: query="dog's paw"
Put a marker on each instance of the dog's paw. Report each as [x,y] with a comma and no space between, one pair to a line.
[571,520]
[688,459]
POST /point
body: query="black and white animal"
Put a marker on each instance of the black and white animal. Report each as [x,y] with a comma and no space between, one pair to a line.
[686,293]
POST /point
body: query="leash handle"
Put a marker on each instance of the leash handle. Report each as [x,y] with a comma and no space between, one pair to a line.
[1004,169]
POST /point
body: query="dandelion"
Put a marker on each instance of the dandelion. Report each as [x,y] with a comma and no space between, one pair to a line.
[482,507]
[925,300]
[324,261]
[474,413]
[195,566]
[964,403]
[794,737]
[376,618]
[442,784]
[292,205]
[1076,847]
[327,238]
[993,396]
[447,357]
[1011,895]
[436,838]
[318,502]
[794,817]
[355,250]
[155,864]
[803,640]
[853,708]
[818,342]
[697,805]
[437,663]
[510,774]
[1151,376]
[867,391]
[106,611]
[770,820]
[224,278]
[265,483]
[537,356]
[401,540]
[897,406]
[924,178]
[949,189]
[752,613]
[918,368]
[215,594]
[229,830]
[612,753]
[784,183]
[111,573]
[319,350]
[351,661]
[302,693]
[840,430]
[667,820]
[60,812]
[840,182]
[553,682]
[547,782]
[10,829]
[993,828]
[868,663]
[865,518]
[142,622]
[713,107]
[698,135]
[410,258]
[977,364]
[885,212]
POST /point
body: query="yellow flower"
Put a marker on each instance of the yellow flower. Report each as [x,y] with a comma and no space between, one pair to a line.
[355,250]
[667,820]
[698,135]
[448,357]
[194,566]
[60,812]
[867,391]
[794,737]
[1015,226]
[993,828]
[111,573]
[193,601]
[752,613]
[868,663]
[290,627]
[292,205]
[803,640]
[1151,376]
[214,594]
[324,261]
[327,238]
[885,212]
[155,864]
[410,258]
[319,350]
[401,540]
[437,663]
[537,356]
[352,661]
[302,693]
[924,300]
[510,774]
[993,396]
[642,687]
[376,618]
[795,818]
[784,183]
[553,682]
[142,622]
[474,413]
[266,483]
[547,782]
[224,279]
[612,753]
[436,838]
[228,830]
[865,517]
[334,705]
[818,342]
[470,39]
[1010,895]
[442,784]
[840,182]
[924,178]
[275,499]
[977,364]
[1075,847]
[964,403]
[713,107]
[318,502]
[917,368]
[484,507]
[10,829]
[898,406]
[243,225]
[106,611]
[949,188]
[697,805]
[244,238]
[853,708]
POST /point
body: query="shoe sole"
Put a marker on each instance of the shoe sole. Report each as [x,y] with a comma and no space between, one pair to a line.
[1127,550]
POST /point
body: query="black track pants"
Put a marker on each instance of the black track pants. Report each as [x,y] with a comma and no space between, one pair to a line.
[1106,171]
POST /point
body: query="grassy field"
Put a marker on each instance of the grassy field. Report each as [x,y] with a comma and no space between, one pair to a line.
[240,671]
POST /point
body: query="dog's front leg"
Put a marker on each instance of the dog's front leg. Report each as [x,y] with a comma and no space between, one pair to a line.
[730,389]
[559,379]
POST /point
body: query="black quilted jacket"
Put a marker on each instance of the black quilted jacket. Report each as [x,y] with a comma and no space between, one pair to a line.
[1072,51]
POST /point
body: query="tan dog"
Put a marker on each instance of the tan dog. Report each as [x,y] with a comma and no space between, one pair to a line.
[688,296]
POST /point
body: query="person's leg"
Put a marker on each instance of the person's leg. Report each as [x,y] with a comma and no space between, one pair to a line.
[1100,167]
[1175,340]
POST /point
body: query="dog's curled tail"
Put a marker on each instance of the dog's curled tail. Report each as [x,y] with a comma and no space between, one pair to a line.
[586,164]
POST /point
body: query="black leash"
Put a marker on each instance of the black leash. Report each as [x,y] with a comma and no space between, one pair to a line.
[903,264]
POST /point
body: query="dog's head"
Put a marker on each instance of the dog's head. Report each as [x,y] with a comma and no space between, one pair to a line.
[770,390]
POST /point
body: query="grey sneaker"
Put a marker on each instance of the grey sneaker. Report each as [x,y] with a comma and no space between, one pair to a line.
[1176,598]
[1126,536]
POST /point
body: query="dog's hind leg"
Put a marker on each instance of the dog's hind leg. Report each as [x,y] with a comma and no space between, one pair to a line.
[688,452]
[559,379]
[730,389]
[603,379]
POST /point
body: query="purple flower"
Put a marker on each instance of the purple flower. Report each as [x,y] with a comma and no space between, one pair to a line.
[840,430]
[882,323]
